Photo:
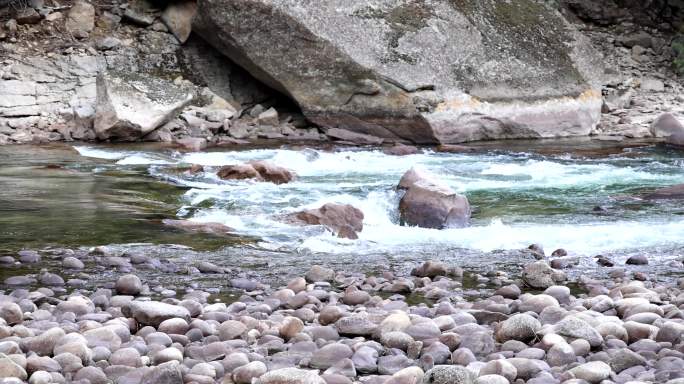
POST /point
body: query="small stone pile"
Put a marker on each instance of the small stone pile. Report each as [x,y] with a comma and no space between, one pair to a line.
[339,328]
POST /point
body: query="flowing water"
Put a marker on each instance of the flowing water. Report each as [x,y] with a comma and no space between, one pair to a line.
[583,197]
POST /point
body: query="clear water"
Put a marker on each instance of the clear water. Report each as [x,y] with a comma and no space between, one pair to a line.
[522,194]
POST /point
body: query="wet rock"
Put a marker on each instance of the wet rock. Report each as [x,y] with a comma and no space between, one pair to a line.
[129,285]
[29,257]
[258,171]
[593,372]
[430,269]
[541,275]
[637,260]
[9,369]
[207,267]
[673,192]
[72,263]
[231,329]
[521,327]
[154,313]
[448,374]
[343,220]
[501,368]
[576,328]
[428,203]
[193,144]
[122,96]
[50,279]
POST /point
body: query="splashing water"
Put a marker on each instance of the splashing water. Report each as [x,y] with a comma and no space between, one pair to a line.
[519,198]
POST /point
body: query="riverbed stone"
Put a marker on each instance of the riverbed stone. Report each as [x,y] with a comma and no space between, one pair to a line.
[448,374]
[290,376]
[231,329]
[129,285]
[330,354]
[343,220]
[11,313]
[154,313]
[576,328]
[521,327]
[429,203]
[540,275]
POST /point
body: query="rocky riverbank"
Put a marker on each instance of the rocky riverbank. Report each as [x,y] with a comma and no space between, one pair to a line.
[327,326]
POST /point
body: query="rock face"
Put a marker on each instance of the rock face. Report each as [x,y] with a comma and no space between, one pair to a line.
[130,106]
[420,70]
[428,203]
[343,220]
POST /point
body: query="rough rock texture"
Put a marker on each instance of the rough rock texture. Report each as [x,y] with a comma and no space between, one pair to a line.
[428,203]
[258,171]
[343,220]
[130,106]
[418,70]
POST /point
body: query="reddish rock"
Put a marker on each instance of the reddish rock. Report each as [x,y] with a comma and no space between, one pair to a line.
[271,172]
[343,220]
[430,204]
[239,172]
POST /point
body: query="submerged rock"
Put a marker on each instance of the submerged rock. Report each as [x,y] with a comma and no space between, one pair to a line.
[378,67]
[343,220]
[430,204]
[129,105]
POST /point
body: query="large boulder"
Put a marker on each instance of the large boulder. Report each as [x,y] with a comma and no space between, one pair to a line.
[130,105]
[343,220]
[426,71]
[428,203]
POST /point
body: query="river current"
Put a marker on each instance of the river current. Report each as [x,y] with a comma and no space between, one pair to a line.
[587,202]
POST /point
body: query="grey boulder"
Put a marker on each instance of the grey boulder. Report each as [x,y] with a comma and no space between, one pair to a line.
[129,105]
[423,71]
